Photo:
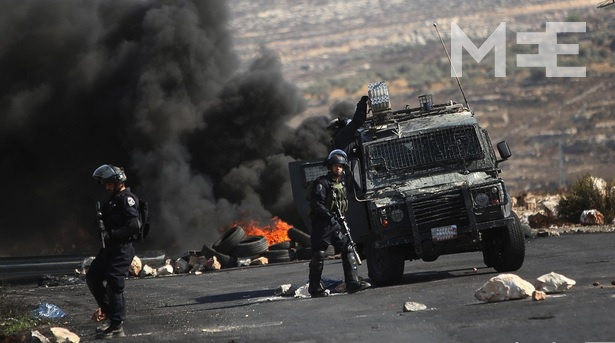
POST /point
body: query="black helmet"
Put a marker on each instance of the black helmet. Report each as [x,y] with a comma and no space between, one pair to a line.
[109,174]
[337,124]
[337,156]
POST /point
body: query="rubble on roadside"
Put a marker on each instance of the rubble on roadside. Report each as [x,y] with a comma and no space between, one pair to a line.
[541,213]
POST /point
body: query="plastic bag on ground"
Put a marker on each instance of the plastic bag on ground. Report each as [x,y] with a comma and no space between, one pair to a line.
[47,310]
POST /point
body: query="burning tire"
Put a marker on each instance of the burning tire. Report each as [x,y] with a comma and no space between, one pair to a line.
[229,240]
[252,246]
[299,237]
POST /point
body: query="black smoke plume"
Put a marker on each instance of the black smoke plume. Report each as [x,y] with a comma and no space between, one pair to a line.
[155,87]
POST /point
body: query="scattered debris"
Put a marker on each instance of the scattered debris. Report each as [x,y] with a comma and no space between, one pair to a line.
[539,295]
[410,306]
[62,280]
[37,337]
[504,287]
[47,310]
[553,283]
[213,264]
[135,266]
[242,262]
[285,290]
[259,261]
[65,336]
[181,266]
[592,217]
[167,269]
[302,292]
[83,267]
[148,271]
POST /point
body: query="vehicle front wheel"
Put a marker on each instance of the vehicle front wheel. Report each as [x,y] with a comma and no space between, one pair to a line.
[505,247]
[385,266]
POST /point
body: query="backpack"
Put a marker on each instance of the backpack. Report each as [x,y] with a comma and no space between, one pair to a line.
[143,222]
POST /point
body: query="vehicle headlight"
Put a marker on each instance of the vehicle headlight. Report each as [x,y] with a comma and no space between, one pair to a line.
[481,199]
[397,215]
[488,196]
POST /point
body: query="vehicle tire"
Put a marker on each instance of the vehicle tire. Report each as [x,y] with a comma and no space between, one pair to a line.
[280,246]
[229,240]
[385,266]
[299,237]
[505,250]
[275,256]
[252,246]
[225,260]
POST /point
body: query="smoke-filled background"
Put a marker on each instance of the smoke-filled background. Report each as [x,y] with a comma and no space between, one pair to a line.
[155,87]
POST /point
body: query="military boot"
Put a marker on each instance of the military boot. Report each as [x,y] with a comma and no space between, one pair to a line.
[316,288]
[115,329]
[351,274]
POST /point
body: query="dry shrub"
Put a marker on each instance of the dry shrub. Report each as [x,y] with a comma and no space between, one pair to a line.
[585,194]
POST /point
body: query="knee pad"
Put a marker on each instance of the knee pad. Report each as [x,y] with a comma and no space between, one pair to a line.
[318,258]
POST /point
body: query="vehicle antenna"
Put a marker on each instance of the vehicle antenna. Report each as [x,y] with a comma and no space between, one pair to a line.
[453,68]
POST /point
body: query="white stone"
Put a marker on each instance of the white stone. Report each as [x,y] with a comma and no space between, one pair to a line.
[213,264]
[38,337]
[410,306]
[504,287]
[286,289]
[167,269]
[63,335]
[259,261]
[241,262]
[148,271]
[135,266]
[554,283]
[302,292]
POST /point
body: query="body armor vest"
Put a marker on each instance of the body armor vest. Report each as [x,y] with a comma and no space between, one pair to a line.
[341,201]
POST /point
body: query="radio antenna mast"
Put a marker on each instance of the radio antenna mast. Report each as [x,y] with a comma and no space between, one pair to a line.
[453,68]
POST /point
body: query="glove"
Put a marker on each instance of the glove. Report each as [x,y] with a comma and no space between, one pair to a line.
[362,104]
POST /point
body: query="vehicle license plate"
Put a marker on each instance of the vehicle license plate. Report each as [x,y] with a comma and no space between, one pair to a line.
[444,233]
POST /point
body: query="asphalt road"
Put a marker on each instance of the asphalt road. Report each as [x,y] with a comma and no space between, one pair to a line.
[239,305]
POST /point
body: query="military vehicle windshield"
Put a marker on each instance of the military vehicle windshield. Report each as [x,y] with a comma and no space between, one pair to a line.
[451,147]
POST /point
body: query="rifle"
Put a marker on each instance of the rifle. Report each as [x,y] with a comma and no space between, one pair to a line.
[346,230]
[100,224]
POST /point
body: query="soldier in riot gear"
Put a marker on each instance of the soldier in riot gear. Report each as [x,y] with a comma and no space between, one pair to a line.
[343,130]
[328,193]
[105,277]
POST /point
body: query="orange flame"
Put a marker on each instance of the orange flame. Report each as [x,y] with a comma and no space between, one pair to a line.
[275,232]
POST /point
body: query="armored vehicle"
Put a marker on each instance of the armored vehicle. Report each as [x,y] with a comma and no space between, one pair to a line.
[423,182]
